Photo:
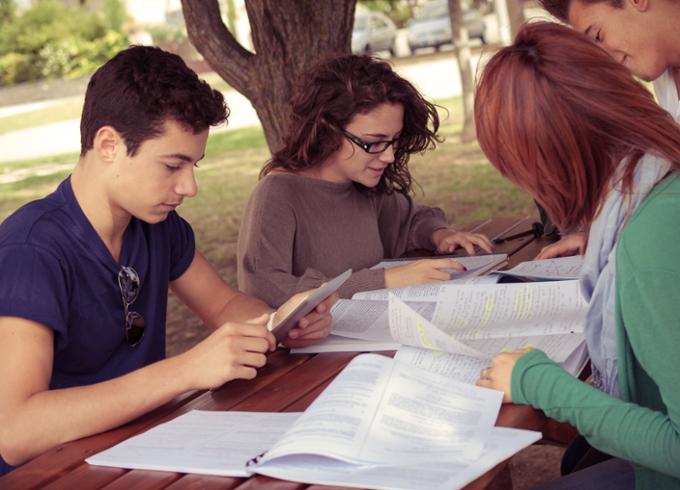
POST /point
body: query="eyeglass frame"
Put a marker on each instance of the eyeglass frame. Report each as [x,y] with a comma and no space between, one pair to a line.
[132,318]
[366,146]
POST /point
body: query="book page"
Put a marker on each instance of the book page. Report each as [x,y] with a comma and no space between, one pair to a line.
[424,292]
[409,328]
[455,366]
[367,320]
[337,423]
[379,411]
[502,310]
[335,343]
[203,442]
[442,475]
[425,416]
[480,263]
[560,268]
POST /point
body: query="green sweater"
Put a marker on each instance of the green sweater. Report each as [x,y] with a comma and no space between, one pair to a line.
[645,428]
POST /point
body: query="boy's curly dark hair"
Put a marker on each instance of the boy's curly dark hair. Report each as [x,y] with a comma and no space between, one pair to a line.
[330,95]
[138,89]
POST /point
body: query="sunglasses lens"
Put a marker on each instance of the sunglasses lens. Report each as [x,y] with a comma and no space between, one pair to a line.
[134,328]
[129,283]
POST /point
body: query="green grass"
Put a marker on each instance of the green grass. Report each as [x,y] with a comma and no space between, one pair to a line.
[456,177]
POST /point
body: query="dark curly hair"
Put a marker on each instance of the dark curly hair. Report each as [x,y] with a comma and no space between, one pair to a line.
[330,95]
[560,8]
[141,87]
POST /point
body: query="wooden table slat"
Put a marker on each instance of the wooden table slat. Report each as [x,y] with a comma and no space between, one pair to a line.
[205,482]
[142,480]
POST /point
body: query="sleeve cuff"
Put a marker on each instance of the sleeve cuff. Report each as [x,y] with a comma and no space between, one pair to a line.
[363,280]
[532,358]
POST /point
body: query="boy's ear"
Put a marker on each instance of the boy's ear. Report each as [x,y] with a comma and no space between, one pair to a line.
[108,143]
[639,5]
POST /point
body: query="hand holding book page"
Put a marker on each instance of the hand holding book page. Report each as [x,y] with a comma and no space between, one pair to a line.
[376,412]
[410,328]
[380,411]
[476,265]
[466,368]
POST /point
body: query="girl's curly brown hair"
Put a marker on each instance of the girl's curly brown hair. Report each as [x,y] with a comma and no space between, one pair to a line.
[331,94]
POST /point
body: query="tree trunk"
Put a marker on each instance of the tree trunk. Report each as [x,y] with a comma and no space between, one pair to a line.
[288,37]
[516,16]
[462,49]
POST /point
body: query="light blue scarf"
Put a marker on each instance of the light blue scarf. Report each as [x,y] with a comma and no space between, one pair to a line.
[598,276]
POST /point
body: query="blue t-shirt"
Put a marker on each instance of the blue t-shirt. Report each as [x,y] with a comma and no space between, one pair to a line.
[56,270]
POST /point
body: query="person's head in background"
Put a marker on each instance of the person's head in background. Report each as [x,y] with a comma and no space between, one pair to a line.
[556,115]
[353,119]
[641,34]
[145,124]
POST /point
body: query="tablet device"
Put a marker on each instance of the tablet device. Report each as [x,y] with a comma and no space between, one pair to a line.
[281,328]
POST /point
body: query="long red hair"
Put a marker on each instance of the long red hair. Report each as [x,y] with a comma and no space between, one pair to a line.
[556,115]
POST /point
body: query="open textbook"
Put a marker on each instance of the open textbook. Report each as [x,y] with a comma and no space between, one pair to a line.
[474,320]
[557,269]
[380,424]
[476,265]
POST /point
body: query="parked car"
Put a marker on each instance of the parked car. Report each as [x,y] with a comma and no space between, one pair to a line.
[373,31]
[431,26]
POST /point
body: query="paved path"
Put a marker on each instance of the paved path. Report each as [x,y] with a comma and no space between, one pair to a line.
[436,79]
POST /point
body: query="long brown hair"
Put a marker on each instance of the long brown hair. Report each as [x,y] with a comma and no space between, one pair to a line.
[331,94]
[556,115]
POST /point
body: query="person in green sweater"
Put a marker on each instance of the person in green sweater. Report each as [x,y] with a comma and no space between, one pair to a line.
[336,196]
[561,119]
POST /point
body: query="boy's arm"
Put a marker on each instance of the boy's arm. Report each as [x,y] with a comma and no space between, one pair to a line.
[213,300]
[216,303]
[35,418]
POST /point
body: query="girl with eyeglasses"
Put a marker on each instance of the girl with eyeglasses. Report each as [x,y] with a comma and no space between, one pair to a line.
[566,122]
[337,194]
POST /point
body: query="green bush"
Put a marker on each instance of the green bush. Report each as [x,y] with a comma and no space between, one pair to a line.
[50,40]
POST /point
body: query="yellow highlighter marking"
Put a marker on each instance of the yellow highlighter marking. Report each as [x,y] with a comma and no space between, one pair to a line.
[424,339]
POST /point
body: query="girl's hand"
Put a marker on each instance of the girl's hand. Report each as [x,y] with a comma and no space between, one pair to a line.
[571,244]
[499,375]
[423,271]
[447,240]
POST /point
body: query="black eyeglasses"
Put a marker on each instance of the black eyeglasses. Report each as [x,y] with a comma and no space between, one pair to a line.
[373,147]
[129,285]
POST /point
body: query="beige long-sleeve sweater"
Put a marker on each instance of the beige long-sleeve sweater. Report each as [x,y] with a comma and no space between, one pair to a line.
[298,231]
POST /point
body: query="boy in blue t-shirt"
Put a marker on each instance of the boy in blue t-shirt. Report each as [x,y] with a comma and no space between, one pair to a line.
[85,271]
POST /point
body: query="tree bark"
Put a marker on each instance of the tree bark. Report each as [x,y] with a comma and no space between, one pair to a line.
[289,37]
[461,46]
[516,16]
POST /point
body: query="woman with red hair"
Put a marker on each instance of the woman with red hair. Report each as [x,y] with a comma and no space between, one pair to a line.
[563,120]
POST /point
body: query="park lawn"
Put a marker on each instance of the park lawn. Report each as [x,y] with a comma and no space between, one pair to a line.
[456,177]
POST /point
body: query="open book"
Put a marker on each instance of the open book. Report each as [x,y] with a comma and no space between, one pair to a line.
[474,320]
[557,269]
[476,265]
[380,424]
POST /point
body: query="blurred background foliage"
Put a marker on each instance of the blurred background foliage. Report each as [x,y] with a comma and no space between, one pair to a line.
[51,40]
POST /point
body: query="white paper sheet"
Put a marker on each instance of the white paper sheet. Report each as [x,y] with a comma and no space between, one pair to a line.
[380,411]
[409,328]
[367,320]
[560,268]
[203,442]
[443,475]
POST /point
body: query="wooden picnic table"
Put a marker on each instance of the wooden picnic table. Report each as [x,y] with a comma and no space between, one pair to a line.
[288,383]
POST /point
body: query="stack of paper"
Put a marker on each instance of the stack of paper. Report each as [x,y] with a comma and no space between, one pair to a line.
[380,424]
